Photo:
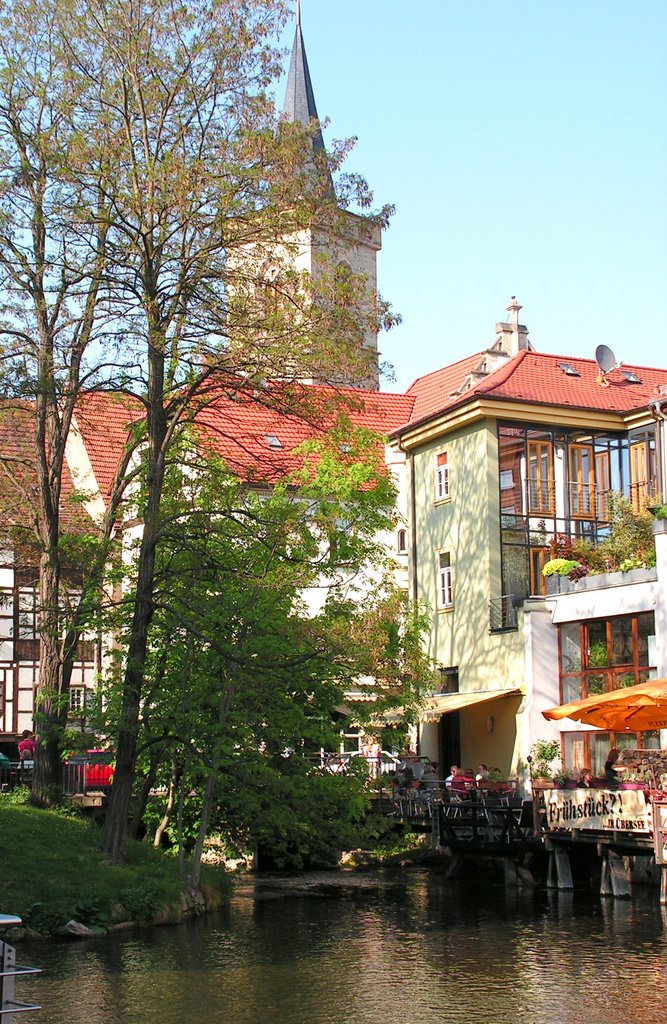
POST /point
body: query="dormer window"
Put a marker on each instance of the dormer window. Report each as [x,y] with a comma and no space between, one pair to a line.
[272,441]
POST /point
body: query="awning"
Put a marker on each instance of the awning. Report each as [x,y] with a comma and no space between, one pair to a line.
[442,703]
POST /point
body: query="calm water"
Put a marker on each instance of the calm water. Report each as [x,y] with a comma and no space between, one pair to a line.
[387,949]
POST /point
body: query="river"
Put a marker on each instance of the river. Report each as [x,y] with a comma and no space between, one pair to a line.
[384,948]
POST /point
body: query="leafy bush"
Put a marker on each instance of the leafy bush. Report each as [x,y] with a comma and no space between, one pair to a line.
[47,918]
[559,567]
[140,903]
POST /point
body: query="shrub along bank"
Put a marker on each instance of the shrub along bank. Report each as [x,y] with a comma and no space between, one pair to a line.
[52,873]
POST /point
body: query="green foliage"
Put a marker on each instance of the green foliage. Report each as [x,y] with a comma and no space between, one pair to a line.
[140,903]
[543,754]
[559,567]
[240,671]
[47,917]
[52,872]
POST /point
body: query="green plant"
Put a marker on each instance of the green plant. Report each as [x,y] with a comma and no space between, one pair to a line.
[559,567]
[140,903]
[660,512]
[541,756]
[46,917]
[562,777]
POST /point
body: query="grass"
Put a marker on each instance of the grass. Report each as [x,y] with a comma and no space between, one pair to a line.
[52,872]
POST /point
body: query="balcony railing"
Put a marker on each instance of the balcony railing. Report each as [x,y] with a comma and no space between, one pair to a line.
[503,612]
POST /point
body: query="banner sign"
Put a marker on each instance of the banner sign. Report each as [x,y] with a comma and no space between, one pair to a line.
[622,810]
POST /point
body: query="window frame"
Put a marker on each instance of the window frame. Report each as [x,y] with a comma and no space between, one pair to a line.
[441,476]
[445,580]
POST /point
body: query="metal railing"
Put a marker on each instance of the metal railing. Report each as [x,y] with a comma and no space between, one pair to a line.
[9,1004]
[503,612]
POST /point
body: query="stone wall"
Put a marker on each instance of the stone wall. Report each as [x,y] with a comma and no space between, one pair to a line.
[644,761]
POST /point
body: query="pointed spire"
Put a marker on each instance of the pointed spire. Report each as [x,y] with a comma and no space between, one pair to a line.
[299,102]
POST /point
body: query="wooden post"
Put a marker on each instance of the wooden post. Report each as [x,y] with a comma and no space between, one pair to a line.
[559,874]
[663,884]
[510,872]
[615,879]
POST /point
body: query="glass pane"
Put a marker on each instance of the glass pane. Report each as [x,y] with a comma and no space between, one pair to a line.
[575,750]
[646,630]
[651,739]
[600,744]
[623,679]
[570,648]
[621,641]
[598,655]
[626,740]
[572,689]
[596,684]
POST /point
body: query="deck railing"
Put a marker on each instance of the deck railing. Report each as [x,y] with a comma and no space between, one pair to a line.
[10,970]
[503,612]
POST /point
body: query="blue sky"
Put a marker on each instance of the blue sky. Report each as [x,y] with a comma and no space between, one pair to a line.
[524,145]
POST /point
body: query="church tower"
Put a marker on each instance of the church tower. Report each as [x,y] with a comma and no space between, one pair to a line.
[357,241]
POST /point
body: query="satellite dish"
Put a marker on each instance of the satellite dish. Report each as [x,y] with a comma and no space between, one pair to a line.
[605,359]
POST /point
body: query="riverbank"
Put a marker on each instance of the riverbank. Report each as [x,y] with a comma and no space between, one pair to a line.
[56,880]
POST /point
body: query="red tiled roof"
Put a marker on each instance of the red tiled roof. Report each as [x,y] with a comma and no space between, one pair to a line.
[104,419]
[538,378]
[257,442]
[435,391]
[238,429]
[19,487]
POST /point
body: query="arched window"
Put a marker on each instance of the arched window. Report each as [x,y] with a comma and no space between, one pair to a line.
[402,542]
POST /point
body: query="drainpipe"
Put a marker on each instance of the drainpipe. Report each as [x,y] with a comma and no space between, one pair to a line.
[655,406]
[412,554]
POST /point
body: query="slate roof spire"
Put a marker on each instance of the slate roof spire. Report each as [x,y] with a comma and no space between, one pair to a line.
[299,102]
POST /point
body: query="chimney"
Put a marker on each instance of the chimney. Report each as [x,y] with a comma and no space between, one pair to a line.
[512,337]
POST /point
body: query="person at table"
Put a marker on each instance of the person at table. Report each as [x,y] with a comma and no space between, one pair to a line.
[612,770]
[460,783]
[430,773]
[27,746]
[585,779]
[454,771]
[482,775]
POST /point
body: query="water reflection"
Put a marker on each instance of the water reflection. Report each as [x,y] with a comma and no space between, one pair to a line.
[376,950]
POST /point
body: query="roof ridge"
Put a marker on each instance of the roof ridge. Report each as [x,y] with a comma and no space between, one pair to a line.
[501,374]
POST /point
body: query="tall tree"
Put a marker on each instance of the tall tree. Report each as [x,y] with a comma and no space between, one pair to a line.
[241,666]
[147,180]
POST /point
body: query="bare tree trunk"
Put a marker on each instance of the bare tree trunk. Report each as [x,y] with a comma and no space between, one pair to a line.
[137,820]
[207,806]
[48,770]
[114,832]
[174,782]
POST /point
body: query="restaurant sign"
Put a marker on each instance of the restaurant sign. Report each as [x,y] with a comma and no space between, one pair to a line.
[623,810]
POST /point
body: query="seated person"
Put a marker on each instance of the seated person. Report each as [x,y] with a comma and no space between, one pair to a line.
[482,774]
[453,772]
[585,779]
[613,770]
[460,783]
[27,746]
